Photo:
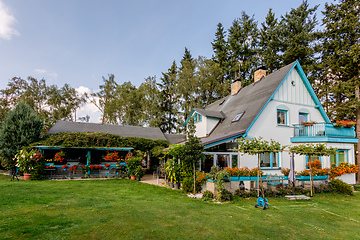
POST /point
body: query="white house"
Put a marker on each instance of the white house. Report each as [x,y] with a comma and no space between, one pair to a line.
[272,107]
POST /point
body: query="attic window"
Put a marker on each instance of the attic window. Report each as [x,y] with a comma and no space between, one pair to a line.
[237,118]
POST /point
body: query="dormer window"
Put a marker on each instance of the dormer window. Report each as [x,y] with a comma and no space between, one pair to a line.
[238,116]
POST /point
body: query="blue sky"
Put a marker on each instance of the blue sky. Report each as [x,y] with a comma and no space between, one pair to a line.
[79,41]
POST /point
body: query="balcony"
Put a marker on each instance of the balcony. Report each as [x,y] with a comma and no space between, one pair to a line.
[323,132]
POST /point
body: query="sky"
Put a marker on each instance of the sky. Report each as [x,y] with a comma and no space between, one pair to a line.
[80,41]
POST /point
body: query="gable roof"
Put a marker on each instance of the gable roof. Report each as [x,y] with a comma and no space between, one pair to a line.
[252,100]
[121,130]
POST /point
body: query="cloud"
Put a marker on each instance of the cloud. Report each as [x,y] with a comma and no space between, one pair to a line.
[88,108]
[43,72]
[6,23]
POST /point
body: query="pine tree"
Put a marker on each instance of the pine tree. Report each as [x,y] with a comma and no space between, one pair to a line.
[221,55]
[20,128]
[269,43]
[169,100]
[341,57]
[298,37]
[187,87]
[243,47]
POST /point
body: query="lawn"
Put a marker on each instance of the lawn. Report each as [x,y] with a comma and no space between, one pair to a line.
[125,209]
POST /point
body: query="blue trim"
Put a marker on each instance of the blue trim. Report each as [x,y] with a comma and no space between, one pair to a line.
[188,119]
[286,117]
[323,139]
[308,87]
[311,91]
[337,156]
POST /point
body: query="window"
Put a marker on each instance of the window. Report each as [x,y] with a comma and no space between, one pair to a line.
[197,118]
[311,159]
[237,117]
[341,156]
[303,117]
[281,117]
[269,160]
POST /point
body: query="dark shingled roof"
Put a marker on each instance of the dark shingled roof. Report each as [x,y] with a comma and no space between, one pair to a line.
[175,138]
[209,113]
[250,99]
[121,130]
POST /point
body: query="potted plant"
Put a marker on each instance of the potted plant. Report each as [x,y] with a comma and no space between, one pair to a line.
[139,172]
[132,163]
[112,157]
[26,161]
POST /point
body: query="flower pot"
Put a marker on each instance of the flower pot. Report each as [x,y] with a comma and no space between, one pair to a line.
[171,184]
[133,177]
[177,185]
[138,179]
[27,176]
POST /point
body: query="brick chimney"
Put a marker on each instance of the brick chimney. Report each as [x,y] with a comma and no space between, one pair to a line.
[235,87]
[259,74]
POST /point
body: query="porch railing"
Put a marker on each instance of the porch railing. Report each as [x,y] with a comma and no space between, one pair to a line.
[322,130]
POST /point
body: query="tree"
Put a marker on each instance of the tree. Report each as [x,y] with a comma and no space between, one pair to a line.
[269,43]
[221,55]
[298,37]
[150,102]
[20,128]
[104,100]
[243,43]
[341,57]
[187,87]
[169,100]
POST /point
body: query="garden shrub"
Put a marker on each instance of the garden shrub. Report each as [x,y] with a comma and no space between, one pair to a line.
[207,196]
[357,187]
[187,185]
[223,195]
[341,187]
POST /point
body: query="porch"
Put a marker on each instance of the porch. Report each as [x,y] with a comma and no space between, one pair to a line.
[323,132]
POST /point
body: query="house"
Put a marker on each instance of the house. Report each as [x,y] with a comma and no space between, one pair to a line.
[94,155]
[272,107]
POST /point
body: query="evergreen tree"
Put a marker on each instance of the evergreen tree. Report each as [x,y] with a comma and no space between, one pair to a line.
[20,128]
[243,48]
[221,56]
[298,37]
[187,87]
[341,62]
[169,100]
[269,43]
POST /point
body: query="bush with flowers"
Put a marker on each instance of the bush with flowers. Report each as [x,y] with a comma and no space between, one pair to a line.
[139,172]
[132,162]
[343,168]
[343,123]
[60,157]
[28,160]
[285,171]
[112,157]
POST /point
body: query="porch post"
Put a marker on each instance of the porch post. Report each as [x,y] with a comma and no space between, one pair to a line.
[88,160]
[230,160]
[215,160]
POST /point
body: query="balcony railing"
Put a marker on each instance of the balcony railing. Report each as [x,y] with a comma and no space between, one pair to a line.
[323,130]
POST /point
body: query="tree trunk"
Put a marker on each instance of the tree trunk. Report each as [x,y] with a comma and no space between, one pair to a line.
[358,134]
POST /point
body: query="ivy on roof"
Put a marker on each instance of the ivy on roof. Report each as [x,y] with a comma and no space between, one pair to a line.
[93,140]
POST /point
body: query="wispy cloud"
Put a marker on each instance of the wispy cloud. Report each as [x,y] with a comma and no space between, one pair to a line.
[45,72]
[88,108]
[6,23]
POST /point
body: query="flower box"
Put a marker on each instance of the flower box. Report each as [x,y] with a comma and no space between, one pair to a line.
[315,178]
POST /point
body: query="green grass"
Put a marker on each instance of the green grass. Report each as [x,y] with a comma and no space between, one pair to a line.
[124,209]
